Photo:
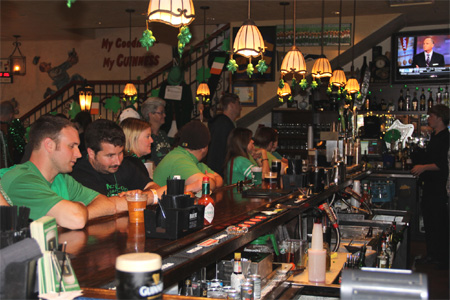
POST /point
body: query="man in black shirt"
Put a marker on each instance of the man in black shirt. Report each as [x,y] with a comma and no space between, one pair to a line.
[434,173]
[220,127]
[104,169]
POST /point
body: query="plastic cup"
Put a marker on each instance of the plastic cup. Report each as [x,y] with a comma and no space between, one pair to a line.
[256,175]
[136,207]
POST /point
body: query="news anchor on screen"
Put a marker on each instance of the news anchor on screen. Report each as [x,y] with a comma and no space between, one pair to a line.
[428,58]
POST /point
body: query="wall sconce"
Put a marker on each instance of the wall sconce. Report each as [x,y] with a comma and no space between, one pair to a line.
[85,97]
[18,62]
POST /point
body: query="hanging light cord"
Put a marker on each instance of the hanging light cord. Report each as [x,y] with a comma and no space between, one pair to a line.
[323,21]
[354,29]
[284,29]
[295,37]
[204,38]
[340,23]
[249,9]
[129,57]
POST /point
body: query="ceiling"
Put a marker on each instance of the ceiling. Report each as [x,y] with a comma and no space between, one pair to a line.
[53,20]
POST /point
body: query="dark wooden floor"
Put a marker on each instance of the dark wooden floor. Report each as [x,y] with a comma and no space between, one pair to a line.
[438,280]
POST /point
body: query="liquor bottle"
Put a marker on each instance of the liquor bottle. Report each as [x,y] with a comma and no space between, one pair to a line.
[415,103]
[439,96]
[422,104]
[391,106]
[362,258]
[383,258]
[407,100]
[430,101]
[237,278]
[188,288]
[383,105]
[207,201]
[401,102]
[446,97]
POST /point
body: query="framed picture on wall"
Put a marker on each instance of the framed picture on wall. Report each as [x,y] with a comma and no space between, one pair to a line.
[246,93]
[5,71]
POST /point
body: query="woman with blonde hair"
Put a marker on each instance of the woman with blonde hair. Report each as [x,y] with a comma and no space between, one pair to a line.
[138,141]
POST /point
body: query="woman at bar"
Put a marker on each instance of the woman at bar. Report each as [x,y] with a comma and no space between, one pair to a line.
[138,141]
[241,148]
[153,111]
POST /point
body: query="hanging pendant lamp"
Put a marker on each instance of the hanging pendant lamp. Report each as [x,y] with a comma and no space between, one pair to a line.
[248,41]
[352,84]
[175,13]
[293,63]
[130,90]
[203,89]
[322,67]
[18,62]
[338,78]
[284,91]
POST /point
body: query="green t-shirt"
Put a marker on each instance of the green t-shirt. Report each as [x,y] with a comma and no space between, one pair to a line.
[178,162]
[26,186]
[242,170]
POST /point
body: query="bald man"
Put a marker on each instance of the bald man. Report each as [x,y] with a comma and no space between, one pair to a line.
[428,58]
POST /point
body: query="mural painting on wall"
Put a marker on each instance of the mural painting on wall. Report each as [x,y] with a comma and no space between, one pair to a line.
[123,60]
[59,74]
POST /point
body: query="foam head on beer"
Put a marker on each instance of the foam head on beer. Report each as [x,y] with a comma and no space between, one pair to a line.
[139,276]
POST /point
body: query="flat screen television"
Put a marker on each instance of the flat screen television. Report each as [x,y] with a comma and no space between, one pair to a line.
[410,64]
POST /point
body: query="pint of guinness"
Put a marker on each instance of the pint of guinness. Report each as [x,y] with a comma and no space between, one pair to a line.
[139,276]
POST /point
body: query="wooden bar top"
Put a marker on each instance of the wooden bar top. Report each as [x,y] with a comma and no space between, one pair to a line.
[95,248]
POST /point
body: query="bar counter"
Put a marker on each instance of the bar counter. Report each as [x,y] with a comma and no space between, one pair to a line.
[95,248]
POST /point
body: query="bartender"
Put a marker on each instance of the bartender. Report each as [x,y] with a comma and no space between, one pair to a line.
[433,172]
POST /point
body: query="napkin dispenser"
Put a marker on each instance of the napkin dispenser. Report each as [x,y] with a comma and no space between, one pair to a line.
[176,217]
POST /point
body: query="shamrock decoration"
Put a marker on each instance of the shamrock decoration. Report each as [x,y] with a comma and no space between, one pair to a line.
[113,104]
[314,84]
[74,109]
[262,66]
[154,93]
[69,3]
[281,84]
[329,90]
[232,65]
[303,84]
[250,70]
[147,40]
[184,37]
[280,99]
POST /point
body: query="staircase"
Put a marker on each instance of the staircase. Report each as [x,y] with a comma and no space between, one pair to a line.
[191,61]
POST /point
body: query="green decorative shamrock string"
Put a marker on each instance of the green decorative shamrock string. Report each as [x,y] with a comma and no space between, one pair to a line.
[16,132]
[262,66]
[147,40]
[69,3]
[113,104]
[329,90]
[184,37]
[232,65]
[281,99]
[303,84]
[314,84]
[131,99]
[250,70]
[281,84]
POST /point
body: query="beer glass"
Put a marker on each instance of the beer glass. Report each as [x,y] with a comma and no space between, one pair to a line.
[139,276]
[270,180]
[136,205]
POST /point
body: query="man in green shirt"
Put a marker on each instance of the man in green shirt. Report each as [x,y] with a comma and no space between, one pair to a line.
[185,160]
[43,185]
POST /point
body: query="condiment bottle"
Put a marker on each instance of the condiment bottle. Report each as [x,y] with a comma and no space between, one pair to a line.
[207,201]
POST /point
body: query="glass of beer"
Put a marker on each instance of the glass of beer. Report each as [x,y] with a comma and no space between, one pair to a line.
[139,276]
[136,205]
[276,166]
[270,180]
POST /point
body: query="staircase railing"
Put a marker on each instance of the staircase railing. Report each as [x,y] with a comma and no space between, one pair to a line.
[61,100]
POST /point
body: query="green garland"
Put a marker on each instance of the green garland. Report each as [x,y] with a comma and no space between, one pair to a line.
[147,40]
[184,37]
